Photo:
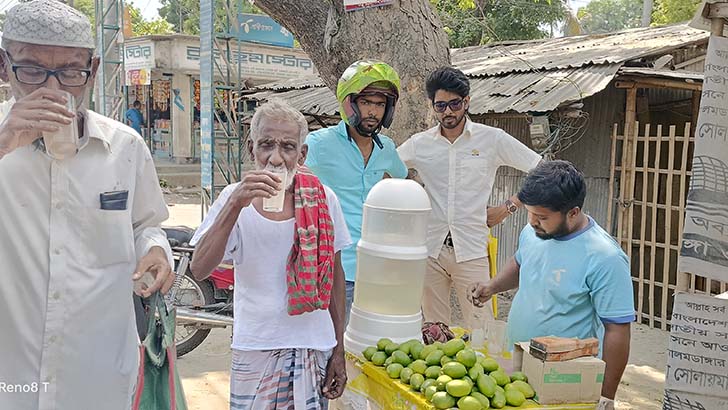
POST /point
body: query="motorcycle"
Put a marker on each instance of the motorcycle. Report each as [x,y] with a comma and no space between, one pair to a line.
[201,305]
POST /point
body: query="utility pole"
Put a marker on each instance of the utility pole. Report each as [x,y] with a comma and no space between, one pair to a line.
[647,12]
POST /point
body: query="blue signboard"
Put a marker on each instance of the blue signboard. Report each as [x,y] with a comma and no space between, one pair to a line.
[206,92]
[261,29]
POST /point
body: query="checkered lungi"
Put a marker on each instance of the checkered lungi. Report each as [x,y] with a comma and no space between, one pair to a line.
[286,379]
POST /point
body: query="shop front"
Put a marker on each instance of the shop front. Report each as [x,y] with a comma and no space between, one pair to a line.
[163,74]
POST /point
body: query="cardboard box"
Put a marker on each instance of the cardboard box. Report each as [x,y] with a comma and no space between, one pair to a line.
[572,381]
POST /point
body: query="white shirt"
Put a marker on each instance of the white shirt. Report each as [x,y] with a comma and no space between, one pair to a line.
[459,177]
[259,248]
[68,336]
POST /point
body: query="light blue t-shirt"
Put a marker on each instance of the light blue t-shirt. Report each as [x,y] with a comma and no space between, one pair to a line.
[339,164]
[135,117]
[569,287]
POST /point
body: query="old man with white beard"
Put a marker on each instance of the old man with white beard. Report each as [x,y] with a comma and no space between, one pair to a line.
[289,297]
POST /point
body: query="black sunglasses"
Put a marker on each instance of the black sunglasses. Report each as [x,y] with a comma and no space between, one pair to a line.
[455,105]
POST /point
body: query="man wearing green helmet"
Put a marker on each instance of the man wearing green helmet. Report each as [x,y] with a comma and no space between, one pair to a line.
[345,158]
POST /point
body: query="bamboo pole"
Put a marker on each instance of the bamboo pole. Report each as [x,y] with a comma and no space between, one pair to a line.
[668,229]
[631,189]
[643,214]
[625,180]
[683,279]
[612,160]
[653,236]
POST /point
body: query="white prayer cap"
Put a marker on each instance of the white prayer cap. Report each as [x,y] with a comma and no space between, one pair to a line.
[48,23]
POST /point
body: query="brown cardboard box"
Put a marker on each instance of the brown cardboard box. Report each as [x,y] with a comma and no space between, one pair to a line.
[572,381]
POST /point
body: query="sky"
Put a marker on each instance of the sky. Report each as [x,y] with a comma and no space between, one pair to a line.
[150,8]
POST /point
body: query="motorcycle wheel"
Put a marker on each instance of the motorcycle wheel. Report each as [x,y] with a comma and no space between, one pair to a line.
[191,293]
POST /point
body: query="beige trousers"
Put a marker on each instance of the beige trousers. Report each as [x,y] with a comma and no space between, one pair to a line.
[445,273]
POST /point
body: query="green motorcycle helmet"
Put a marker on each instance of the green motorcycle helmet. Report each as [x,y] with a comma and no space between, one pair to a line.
[366,78]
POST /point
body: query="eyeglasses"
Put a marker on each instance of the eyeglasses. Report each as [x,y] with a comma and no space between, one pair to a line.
[32,75]
[441,106]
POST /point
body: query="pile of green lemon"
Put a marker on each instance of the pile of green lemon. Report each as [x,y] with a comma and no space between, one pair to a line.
[451,375]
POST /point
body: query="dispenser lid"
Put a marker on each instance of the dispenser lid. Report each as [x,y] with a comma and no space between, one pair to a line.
[398,195]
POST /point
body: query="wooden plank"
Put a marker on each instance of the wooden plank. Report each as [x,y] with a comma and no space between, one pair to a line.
[668,227]
[682,277]
[653,232]
[612,160]
[689,62]
[643,219]
[661,83]
[624,84]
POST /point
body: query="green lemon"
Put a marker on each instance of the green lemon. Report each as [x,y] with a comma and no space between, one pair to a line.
[441,400]
[457,388]
[426,351]
[469,403]
[379,358]
[446,359]
[416,349]
[369,352]
[476,371]
[394,370]
[433,372]
[430,391]
[416,381]
[452,347]
[518,376]
[390,348]
[467,357]
[427,383]
[433,359]
[419,366]
[486,385]
[514,397]
[454,369]
[484,402]
[404,347]
[401,357]
[389,361]
[406,374]
[382,343]
[498,401]
[442,381]
[501,378]
[524,388]
[489,365]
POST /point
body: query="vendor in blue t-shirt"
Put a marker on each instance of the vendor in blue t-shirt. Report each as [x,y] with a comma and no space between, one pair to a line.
[353,156]
[573,279]
[134,117]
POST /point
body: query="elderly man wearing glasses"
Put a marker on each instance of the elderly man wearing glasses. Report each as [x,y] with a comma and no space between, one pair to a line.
[76,229]
[457,161]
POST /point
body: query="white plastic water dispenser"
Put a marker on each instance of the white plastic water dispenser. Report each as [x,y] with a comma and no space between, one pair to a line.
[391,261]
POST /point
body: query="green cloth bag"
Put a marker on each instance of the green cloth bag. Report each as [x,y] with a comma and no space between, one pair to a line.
[158,385]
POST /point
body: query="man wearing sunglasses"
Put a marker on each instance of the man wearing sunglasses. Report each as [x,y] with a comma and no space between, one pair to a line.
[75,229]
[457,161]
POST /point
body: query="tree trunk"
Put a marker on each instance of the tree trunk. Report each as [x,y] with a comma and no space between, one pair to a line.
[407,35]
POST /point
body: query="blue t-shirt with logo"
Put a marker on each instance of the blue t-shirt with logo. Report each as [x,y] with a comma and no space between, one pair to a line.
[337,161]
[570,286]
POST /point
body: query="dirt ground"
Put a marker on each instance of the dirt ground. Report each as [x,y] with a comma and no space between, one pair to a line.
[205,371]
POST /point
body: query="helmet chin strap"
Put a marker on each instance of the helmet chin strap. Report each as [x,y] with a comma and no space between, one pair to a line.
[373,135]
